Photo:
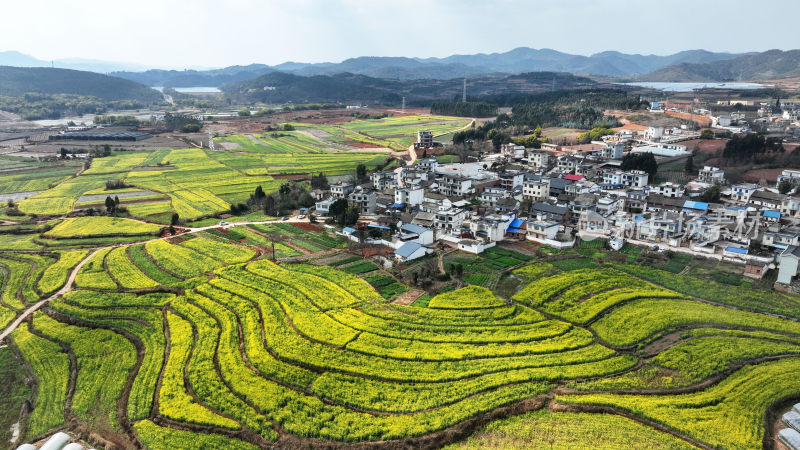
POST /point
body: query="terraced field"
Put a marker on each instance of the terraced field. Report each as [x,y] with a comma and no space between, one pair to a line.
[401,131]
[194,341]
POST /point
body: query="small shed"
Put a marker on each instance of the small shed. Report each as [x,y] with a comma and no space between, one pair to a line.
[792,419]
[410,251]
[790,438]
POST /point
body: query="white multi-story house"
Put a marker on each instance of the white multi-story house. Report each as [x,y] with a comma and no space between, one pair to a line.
[567,164]
[511,180]
[322,207]
[455,186]
[742,192]
[514,151]
[613,150]
[384,179]
[424,139]
[539,159]
[536,190]
[434,201]
[635,178]
[581,187]
[428,165]
[488,228]
[782,238]
[410,196]
[654,134]
[365,198]
[790,206]
[449,220]
[668,189]
[789,174]
[713,175]
[342,189]
[492,195]
[542,229]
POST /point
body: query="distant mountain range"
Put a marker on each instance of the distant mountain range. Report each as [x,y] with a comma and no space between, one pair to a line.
[280,87]
[759,66]
[16,81]
[690,65]
[17,59]
[519,60]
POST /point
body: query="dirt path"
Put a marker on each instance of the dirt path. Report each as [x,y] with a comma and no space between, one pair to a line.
[74,273]
[64,289]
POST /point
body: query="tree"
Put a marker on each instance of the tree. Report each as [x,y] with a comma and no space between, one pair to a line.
[337,208]
[319,181]
[711,195]
[707,134]
[191,128]
[174,219]
[689,166]
[785,186]
[640,161]
[116,201]
[361,173]
[269,206]
[284,190]
[63,153]
[109,204]
[349,216]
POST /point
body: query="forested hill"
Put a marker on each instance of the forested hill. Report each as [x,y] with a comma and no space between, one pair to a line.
[16,81]
[280,87]
[760,66]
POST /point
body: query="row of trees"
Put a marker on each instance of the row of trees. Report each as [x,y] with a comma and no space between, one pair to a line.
[749,146]
[464,109]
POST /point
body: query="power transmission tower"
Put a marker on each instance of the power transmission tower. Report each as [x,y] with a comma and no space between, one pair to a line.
[464,93]
[403,109]
[210,141]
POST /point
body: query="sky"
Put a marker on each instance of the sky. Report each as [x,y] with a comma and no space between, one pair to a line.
[218,33]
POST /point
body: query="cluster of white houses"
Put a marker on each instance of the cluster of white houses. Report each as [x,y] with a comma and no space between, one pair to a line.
[549,198]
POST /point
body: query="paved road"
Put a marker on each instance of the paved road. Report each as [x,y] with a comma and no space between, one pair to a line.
[71,279]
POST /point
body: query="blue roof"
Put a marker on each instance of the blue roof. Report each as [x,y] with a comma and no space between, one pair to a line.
[516,223]
[413,228]
[397,205]
[349,230]
[772,214]
[407,249]
[695,205]
[375,225]
[742,251]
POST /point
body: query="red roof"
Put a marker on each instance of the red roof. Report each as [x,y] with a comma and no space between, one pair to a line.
[571,177]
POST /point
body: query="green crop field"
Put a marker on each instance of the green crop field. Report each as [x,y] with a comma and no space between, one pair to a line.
[401,132]
[199,339]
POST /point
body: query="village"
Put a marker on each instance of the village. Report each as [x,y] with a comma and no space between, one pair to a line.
[556,195]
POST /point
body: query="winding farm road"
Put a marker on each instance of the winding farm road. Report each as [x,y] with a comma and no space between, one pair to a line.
[74,273]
